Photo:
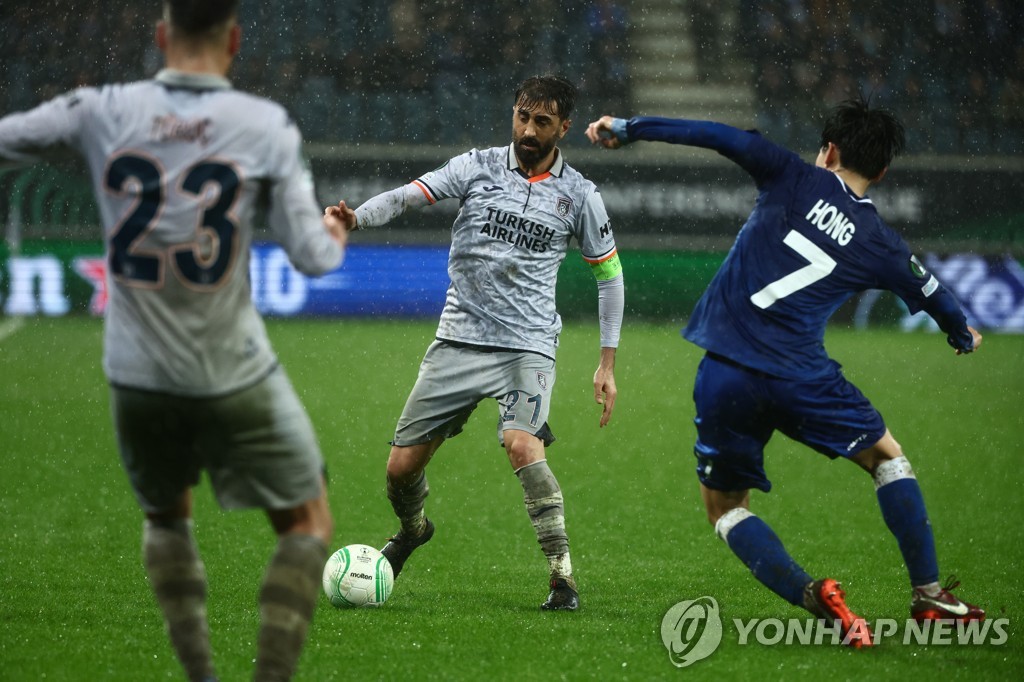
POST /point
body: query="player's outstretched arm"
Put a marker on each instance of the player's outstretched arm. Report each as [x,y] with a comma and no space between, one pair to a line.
[387,206]
[942,307]
[605,391]
[607,131]
[756,155]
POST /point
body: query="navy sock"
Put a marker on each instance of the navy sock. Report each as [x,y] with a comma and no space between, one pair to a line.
[903,510]
[757,546]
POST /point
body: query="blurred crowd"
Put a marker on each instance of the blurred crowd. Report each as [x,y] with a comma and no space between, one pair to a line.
[427,70]
[444,70]
[373,71]
[952,69]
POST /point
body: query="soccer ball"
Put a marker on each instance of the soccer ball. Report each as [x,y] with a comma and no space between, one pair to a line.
[358,575]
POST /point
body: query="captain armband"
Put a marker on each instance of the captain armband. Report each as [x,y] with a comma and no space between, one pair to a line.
[606,269]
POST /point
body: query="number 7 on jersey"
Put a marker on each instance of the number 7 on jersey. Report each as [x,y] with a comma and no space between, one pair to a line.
[821,264]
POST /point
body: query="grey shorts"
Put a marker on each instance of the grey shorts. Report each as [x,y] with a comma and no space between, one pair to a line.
[454,379]
[257,445]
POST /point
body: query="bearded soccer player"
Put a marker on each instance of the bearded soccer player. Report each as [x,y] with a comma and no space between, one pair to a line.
[179,164]
[520,206]
[813,240]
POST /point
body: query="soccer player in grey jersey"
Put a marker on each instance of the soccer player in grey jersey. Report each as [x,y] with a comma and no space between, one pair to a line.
[178,164]
[520,206]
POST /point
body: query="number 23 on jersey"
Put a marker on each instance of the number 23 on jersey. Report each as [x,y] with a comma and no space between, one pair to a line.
[201,263]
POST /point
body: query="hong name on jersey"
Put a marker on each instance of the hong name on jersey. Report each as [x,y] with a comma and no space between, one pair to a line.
[832,222]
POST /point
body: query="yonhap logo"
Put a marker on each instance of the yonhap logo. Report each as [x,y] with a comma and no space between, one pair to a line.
[691,631]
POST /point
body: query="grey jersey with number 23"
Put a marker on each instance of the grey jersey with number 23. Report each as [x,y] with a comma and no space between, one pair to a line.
[177,166]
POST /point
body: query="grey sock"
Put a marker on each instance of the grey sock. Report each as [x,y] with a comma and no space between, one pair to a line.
[178,578]
[287,601]
[544,504]
[407,501]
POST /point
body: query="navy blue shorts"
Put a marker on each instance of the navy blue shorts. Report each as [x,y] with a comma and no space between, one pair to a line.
[738,409]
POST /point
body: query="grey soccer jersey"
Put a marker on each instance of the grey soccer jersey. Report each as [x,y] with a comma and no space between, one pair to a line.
[510,237]
[178,164]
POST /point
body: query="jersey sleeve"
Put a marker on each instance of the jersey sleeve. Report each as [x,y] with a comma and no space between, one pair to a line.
[447,181]
[386,206]
[594,231]
[762,159]
[921,290]
[51,130]
[597,244]
[295,215]
[450,180]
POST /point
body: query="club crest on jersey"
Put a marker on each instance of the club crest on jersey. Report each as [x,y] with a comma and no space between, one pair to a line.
[563,206]
[542,379]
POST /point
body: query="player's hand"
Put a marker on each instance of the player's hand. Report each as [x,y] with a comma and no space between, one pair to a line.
[600,132]
[334,223]
[977,341]
[345,214]
[605,391]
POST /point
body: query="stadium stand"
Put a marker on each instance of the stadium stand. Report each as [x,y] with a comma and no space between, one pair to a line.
[423,71]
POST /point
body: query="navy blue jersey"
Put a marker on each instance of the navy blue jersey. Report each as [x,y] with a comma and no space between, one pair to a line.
[809,244]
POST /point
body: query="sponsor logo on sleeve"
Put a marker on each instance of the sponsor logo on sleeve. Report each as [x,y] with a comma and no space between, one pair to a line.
[930,286]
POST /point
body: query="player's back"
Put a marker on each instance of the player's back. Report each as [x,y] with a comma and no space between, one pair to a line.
[179,165]
[808,246]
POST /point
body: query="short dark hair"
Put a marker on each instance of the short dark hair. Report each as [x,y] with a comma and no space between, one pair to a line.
[868,139]
[197,18]
[545,90]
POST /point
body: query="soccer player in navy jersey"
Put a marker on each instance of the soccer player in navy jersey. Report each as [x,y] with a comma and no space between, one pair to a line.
[812,241]
[180,164]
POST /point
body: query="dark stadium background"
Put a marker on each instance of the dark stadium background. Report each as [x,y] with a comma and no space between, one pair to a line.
[385,90]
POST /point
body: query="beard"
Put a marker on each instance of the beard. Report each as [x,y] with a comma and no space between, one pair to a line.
[530,156]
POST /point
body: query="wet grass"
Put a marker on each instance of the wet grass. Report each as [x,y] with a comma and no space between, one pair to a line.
[74,603]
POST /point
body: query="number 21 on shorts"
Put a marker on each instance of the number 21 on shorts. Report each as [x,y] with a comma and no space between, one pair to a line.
[512,399]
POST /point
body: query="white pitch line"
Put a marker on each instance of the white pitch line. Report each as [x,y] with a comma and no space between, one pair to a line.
[10,327]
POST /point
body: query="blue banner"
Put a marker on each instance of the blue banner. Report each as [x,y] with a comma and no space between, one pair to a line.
[58,278]
[388,281]
[399,281]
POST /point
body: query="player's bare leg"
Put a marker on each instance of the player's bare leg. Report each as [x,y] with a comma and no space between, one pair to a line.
[291,585]
[544,504]
[407,491]
[903,508]
[761,550]
[178,578]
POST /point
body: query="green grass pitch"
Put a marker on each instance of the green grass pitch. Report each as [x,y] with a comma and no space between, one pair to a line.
[74,603]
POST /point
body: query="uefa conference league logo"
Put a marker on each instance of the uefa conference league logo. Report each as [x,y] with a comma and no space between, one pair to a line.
[692,630]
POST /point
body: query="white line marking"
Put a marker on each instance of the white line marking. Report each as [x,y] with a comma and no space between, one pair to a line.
[10,327]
